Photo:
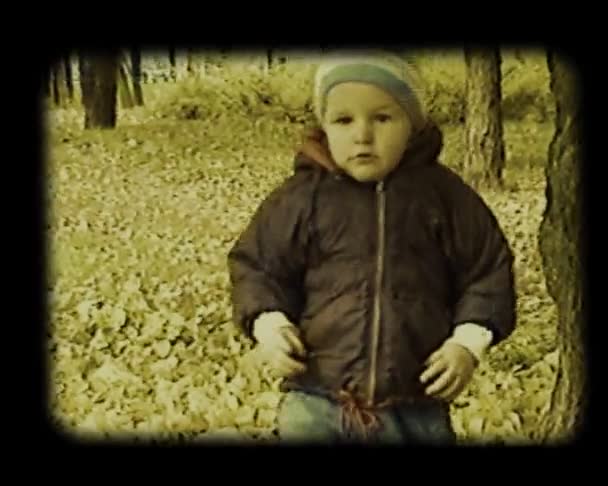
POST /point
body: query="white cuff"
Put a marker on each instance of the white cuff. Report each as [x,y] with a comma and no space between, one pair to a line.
[474,337]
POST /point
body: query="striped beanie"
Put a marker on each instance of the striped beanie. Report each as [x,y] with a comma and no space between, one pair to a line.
[384,69]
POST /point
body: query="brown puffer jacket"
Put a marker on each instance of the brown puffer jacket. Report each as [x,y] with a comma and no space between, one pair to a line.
[375,275]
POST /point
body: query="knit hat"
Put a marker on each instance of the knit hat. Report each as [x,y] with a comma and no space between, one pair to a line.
[388,71]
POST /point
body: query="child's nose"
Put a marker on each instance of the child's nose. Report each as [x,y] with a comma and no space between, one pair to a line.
[363,133]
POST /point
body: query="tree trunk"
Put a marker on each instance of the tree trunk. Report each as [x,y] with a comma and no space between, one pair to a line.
[202,67]
[173,72]
[46,80]
[98,75]
[484,158]
[190,62]
[69,82]
[561,242]
[55,84]
[124,90]
[60,89]
[136,69]
[85,93]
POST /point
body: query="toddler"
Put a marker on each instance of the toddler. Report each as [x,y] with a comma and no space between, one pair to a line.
[373,278]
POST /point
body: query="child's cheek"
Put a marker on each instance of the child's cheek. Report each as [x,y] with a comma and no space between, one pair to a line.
[339,156]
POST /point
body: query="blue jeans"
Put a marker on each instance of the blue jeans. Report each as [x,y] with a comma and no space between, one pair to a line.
[305,418]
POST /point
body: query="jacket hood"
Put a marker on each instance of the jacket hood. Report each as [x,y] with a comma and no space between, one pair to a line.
[424,148]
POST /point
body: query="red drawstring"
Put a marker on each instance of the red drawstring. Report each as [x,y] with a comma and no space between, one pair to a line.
[356,417]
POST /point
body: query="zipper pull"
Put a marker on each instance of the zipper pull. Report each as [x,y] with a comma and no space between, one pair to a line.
[380,186]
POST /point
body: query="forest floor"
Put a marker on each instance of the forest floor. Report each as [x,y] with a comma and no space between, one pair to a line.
[139,224]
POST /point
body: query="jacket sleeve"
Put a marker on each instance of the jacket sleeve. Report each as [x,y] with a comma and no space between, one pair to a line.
[266,264]
[482,265]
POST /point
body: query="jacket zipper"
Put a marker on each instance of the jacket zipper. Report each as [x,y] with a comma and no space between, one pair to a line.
[381,199]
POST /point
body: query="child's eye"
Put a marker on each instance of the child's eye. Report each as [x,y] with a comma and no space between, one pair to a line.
[383,118]
[343,120]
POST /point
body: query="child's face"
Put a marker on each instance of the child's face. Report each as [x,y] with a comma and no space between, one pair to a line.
[363,119]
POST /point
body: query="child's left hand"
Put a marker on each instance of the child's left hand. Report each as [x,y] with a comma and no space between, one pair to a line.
[451,367]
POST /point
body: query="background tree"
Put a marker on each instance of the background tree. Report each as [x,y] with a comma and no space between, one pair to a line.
[69,79]
[173,72]
[124,88]
[54,84]
[136,74]
[484,158]
[59,83]
[98,76]
[46,82]
[197,62]
[190,61]
[563,244]
[272,57]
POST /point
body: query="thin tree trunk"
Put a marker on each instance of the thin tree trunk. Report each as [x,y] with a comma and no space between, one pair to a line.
[203,66]
[224,55]
[55,84]
[562,244]
[484,159]
[136,68]
[69,81]
[85,92]
[173,73]
[46,82]
[60,90]
[124,90]
[189,62]
[98,77]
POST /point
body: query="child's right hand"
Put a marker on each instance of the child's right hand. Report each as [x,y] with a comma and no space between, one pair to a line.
[279,343]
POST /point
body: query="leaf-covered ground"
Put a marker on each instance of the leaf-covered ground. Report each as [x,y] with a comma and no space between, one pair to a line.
[139,224]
